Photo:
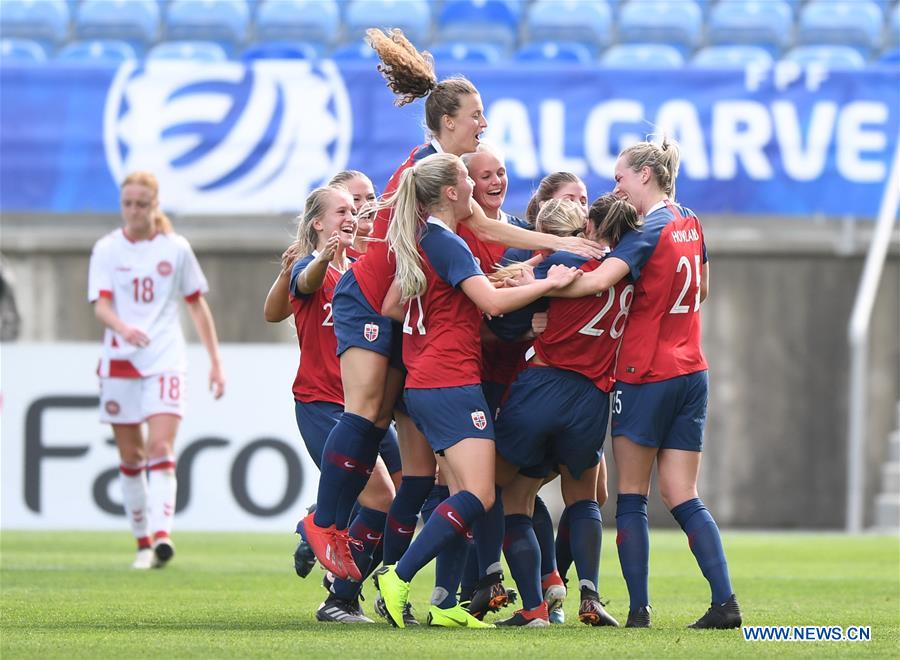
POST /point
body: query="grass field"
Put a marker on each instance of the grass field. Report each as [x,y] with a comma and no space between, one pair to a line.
[73,595]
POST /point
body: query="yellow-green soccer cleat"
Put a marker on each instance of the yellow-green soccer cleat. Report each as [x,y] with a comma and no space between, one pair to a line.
[395,593]
[454,617]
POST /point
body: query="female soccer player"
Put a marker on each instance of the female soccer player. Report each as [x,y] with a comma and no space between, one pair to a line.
[363,192]
[444,293]
[137,274]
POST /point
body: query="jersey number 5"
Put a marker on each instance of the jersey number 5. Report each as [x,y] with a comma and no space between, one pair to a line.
[684,264]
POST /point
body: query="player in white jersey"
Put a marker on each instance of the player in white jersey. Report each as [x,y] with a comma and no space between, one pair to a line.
[138,273]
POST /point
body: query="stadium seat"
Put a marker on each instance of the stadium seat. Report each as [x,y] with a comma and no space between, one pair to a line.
[46,22]
[21,51]
[890,57]
[411,16]
[222,21]
[642,56]
[765,23]
[893,31]
[314,21]
[588,22]
[832,57]
[731,57]
[355,52]
[197,51]
[134,21]
[475,53]
[858,24]
[492,21]
[280,50]
[97,51]
[677,23]
[555,52]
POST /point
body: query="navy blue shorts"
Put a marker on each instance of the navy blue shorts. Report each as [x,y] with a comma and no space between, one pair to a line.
[446,415]
[552,417]
[669,414]
[493,394]
[356,324]
[315,421]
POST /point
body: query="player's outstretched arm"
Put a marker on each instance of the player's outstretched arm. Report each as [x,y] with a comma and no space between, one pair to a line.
[206,329]
[604,276]
[310,279]
[106,314]
[495,302]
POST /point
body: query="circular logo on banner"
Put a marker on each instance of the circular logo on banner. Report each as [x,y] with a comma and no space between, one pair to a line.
[112,407]
[164,268]
[229,137]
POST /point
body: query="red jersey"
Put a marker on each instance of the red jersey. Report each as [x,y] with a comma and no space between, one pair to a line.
[441,340]
[376,268]
[665,256]
[319,374]
[583,334]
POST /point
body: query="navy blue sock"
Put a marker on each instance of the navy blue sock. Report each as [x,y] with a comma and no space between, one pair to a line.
[470,574]
[489,532]
[454,516]
[448,570]
[403,515]
[587,534]
[345,467]
[543,529]
[633,541]
[367,529]
[347,501]
[523,554]
[706,544]
[563,544]
[436,495]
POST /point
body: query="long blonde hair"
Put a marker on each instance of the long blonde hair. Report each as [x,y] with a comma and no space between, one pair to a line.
[313,208]
[560,217]
[662,159]
[418,192]
[161,221]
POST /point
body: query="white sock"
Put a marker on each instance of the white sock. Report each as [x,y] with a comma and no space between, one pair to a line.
[133,480]
[163,487]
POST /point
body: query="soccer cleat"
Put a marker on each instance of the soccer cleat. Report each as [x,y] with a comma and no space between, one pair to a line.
[558,617]
[394,592]
[591,612]
[721,617]
[344,541]
[535,618]
[304,559]
[330,549]
[454,617]
[554,591]
[143,560]
[489,596]
[639,618]
[163,551]
[337,610]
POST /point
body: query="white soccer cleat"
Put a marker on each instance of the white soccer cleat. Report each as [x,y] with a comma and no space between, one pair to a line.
[144,559]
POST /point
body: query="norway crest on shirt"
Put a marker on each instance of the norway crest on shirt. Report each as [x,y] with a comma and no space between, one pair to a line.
[370,331]
[479,420]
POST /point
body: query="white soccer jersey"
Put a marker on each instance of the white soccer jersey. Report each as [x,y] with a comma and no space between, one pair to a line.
[144,280]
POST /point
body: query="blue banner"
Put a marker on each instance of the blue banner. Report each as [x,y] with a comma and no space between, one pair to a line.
[236,138]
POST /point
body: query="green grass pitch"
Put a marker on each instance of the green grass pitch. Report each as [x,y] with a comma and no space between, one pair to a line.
[235,595]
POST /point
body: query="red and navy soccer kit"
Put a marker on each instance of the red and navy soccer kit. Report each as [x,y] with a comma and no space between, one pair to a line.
[662,385]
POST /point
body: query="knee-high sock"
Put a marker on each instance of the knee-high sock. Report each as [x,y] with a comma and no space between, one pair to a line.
[564,544]
[367,530]
[436,495]
[633,541]
[403,515]
[488,533]
[543,529]
[470,573]
[133,480]
[586,533]
[454,516]
[523,554]
[161,490]
[347,504]
[706,544]
[448,570]
[347,462]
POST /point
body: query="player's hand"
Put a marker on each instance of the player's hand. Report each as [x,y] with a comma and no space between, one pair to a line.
[135,336]
[524,277]
[331,247]
[538,323]
[216,381]
[289,256]
[581,246]
[562,276]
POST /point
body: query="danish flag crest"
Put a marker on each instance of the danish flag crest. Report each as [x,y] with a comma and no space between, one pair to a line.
[164,268]
[370,331]
[479,420]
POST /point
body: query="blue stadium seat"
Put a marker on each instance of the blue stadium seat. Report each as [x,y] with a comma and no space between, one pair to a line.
[316,21]
[858,23]
[562,52]
[46,22]
[642,56]
[475,53]
[222,21]
[589,22]
[356,52]
[134,21]
[492,21]
[196,51]
[677,23]
[21,51]
[731,57]
[893,32]
[411,16]
[890,57]
[766,23]
[280,50]
[832,57]
[97,51]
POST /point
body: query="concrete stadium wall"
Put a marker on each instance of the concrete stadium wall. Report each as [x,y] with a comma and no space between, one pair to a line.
[774,334]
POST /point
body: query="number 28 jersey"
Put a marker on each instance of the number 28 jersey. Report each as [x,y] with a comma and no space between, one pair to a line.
[666,257]
[144,280]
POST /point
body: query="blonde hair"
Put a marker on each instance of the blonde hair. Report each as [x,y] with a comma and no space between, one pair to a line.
[314,207]
[161,221]
[546,189]
[483,148]
[342,177]
[611,218]
[419,191]
[561,217]
[662,159]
